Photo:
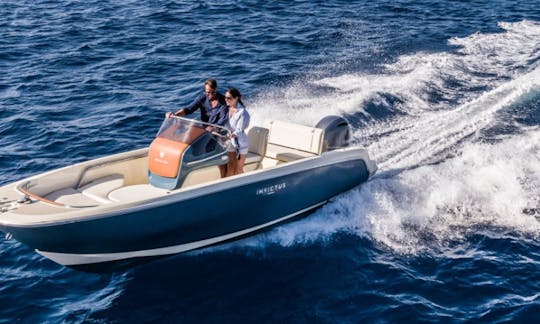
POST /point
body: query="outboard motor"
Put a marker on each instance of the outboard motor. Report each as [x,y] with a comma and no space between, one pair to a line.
[337,133]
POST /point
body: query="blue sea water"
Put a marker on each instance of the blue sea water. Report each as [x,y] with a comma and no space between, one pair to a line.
[444,94]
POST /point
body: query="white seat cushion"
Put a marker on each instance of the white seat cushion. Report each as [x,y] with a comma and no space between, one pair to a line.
[99,189]
[298,137]
[136,193]
[257,139]
[71,197]
[92,194]
[253,158]
[286,154]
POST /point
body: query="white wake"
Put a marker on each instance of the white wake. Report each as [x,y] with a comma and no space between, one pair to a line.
[437,178]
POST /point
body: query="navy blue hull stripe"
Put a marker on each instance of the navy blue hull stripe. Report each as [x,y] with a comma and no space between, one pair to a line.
[69,259]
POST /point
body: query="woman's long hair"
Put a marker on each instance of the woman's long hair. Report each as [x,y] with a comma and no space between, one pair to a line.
[236,94]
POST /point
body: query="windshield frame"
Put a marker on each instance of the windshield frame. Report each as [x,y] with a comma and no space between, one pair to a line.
[188,124]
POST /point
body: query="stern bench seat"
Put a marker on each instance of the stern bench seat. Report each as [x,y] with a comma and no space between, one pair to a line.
[289,142]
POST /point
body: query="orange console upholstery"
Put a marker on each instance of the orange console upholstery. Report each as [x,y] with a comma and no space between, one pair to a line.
[164,157]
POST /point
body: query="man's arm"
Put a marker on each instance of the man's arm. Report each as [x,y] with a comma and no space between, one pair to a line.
[197,104]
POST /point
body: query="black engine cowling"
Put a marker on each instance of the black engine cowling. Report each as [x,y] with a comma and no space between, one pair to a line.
[337,132]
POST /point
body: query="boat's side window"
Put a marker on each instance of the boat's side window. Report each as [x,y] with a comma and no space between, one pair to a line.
[204,145]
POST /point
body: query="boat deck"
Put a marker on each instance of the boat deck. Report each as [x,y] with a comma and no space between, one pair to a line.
[106,182]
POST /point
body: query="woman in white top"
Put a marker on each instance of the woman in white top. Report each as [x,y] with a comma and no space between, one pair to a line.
[237,124]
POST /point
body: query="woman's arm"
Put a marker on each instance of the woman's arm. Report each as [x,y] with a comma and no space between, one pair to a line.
[242,123]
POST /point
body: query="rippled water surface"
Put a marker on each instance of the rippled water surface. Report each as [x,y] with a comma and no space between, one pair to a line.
[445,95]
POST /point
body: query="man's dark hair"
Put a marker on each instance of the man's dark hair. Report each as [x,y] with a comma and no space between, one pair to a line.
[211,83]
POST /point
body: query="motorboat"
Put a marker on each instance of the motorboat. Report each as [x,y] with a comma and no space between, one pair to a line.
[170,197]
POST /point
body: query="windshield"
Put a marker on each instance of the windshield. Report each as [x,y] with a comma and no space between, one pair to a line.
[186,130]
